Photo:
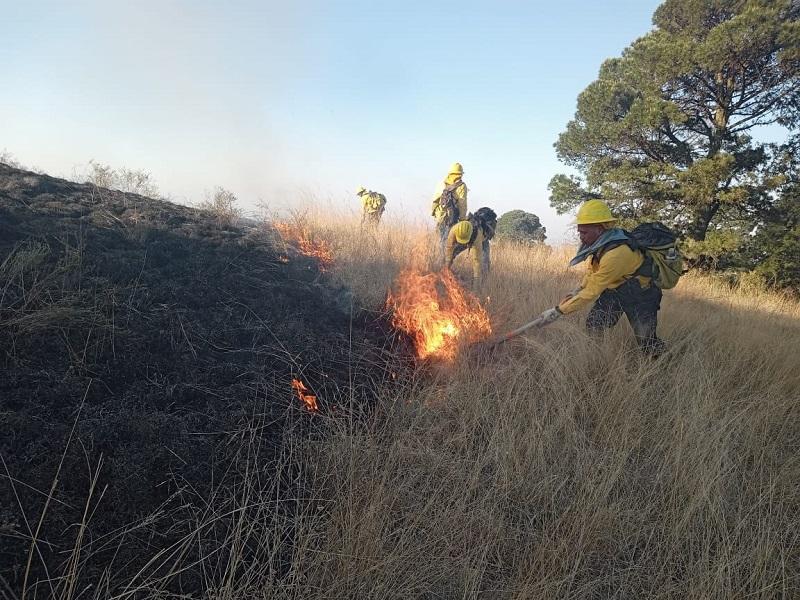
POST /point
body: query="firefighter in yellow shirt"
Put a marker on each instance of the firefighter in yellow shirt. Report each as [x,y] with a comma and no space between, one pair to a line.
[449,204]
[612,280]
[372,206]
[472,234]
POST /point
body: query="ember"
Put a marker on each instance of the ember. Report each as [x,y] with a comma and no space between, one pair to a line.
[306,243]
[437,312]
[301,390]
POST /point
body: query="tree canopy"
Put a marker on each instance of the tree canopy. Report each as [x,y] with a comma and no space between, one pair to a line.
[666,130]
[520,226]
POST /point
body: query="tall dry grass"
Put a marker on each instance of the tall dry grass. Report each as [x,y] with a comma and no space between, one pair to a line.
[560,466]
[564,466]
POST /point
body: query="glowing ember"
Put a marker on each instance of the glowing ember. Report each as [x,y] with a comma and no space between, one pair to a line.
[437,312]
[301,235]
[302,392]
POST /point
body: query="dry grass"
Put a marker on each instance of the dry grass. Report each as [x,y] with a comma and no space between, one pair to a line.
[559,467]
[563,466]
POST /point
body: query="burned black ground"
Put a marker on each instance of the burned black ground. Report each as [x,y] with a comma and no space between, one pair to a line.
[165,337]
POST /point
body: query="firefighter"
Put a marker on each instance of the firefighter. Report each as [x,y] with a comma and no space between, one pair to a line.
[372,206]
[613,280]
[449,204]
[472,234]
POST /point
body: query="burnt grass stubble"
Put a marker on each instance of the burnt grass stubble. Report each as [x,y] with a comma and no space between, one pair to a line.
[168,342]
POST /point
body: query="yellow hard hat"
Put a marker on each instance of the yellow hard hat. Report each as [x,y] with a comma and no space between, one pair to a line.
[463,231]
[594,211]
[361,190]
[456,169]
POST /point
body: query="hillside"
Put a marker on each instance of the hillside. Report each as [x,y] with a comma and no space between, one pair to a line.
[139,342]
[557,466]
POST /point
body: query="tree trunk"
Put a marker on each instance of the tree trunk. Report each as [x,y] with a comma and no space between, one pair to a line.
[701,220]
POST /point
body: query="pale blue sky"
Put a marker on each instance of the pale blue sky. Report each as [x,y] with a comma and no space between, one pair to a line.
[278,102]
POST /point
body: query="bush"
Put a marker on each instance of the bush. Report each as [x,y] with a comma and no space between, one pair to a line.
[520,226]
[9,159]
[125,180]
[222,204]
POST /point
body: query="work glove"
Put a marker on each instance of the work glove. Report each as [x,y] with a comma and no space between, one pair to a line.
[551,315]
[571,294]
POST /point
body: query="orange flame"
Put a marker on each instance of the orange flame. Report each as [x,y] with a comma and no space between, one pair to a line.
[301,235]
[437,312]
[302,392]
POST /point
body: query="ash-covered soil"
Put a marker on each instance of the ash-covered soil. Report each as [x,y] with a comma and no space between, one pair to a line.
[160,334]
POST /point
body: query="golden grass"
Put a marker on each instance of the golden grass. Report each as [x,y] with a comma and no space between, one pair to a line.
[562,466]
[558,467]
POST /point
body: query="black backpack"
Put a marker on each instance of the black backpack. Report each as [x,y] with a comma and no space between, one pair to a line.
[486,219]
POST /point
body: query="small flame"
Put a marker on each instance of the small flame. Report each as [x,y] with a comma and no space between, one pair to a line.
[301,235]
[301,390]
[437,312]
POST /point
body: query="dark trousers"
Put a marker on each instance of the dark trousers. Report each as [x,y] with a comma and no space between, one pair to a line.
[639,304]
[371,218]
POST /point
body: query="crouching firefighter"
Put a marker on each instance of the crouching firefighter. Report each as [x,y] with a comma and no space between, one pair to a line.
[473,234]
[626,273]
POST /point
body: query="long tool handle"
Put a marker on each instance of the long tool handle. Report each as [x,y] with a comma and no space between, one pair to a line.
[538,322]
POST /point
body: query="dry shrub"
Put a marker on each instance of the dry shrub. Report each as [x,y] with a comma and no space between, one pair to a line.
[221,203]
[134,181]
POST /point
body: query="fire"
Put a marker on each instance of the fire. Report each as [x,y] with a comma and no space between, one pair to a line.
[301,390]
[437,312]
[306,243]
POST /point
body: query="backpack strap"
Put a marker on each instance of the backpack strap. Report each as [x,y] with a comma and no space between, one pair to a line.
[644,270]
[454,186]
[476,223]
[610,246]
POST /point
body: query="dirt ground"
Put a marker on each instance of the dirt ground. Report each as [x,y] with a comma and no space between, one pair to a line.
[159,334]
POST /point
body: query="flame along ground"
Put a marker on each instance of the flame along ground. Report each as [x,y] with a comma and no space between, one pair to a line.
[310,400]
[437,313]
[432,308]
[306,243]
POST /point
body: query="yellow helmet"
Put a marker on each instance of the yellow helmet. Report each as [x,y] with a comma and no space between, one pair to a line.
[361,190]
[463,231]
[594,211]
[456,169]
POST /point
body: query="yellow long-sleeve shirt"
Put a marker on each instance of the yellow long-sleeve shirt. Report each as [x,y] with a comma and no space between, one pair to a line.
[613,269]
[460,192]
[453,247]
[372,202]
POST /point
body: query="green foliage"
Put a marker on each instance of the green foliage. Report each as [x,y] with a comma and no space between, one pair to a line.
[520,226]
[775,248]
[565,190]
[665,130]
[715,249]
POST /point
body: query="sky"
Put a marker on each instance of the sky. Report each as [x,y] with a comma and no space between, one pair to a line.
[288,102]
